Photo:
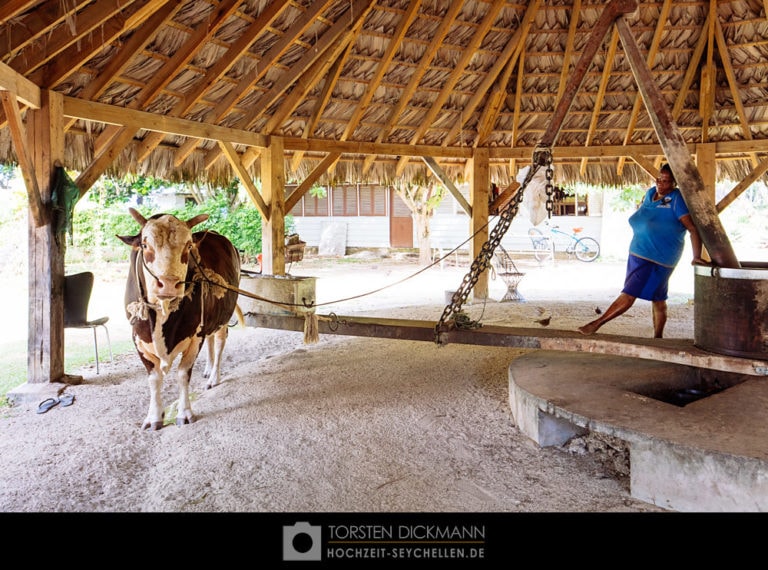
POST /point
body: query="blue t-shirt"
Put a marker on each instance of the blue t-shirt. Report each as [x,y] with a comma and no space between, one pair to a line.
[658,233]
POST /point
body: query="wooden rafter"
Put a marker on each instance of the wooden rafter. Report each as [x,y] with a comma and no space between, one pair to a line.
[652,52]
[569,49]
[245,178]
[737,190]
[418,73]
[447,89]
[342,27]
[60,38]
[338,51]
[18,134]
[604,78]
[314,176]
[381,69]
[113,140]
[732,82]
[135,43]
[12,8]
[496,80]
[690,73]
[31,27]
[320,103]
[215,72]
[228,102]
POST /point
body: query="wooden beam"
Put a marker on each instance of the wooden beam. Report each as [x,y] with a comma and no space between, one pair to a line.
[690,72]
[456,74]
[341,27]
[47,249]
[12,8]
[21,87]
[737,190]
[320,104]
[604,78]
[245,178]
[573,25]
[448,183]
[26,163]
[677,351]
[645,164]
[244,85]
[273,188]
[136,120]
[416,77]
[304,187]
[134,44]
[389,53]
[59,39]
[702,209]
[733,83]
[213,74]
[205,30]
[612,11]
[652,51]
[479,189]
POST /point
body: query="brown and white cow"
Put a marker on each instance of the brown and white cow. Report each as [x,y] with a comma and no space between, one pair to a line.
[181,291]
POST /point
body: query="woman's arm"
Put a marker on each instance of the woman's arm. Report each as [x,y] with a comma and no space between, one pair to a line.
[687,221]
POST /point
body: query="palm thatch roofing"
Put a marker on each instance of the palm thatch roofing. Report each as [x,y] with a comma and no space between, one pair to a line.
[364,90]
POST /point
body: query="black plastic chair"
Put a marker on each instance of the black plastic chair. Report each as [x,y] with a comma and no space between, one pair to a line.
[77,295]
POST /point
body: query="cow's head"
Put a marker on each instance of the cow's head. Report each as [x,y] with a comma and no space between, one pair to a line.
[164,247]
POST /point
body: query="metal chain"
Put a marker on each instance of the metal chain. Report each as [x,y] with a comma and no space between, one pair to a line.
[549,189]
[541,157]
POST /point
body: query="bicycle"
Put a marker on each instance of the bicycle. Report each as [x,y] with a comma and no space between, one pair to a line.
[584,248]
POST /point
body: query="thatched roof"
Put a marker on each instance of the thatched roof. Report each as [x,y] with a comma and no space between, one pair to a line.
[386,82]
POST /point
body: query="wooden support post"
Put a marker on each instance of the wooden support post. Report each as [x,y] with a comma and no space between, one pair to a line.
[481,183]
[702,209]
[45,350]
[273,190]
[706,163]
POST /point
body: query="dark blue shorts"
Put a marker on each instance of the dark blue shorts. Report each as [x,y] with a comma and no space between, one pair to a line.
[646,279]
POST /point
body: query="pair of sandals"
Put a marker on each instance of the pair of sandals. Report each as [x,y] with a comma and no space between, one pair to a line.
[64,401]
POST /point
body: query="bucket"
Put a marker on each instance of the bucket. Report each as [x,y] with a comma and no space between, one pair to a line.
[731,309]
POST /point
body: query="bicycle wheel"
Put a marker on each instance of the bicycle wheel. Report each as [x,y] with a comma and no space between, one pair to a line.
[542,245]
[586,249]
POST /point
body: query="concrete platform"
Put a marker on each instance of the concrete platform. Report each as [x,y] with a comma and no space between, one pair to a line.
[706,455]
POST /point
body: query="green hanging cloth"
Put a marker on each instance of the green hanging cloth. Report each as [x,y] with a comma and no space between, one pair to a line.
[64,196]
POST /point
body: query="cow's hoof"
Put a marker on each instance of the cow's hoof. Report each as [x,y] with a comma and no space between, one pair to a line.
[152,426]
[181,421]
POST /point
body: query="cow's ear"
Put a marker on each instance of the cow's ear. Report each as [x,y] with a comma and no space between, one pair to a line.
[136,215]
[200,218]
[133,241]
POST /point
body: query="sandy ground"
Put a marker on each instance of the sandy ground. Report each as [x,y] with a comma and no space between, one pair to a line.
[344,425]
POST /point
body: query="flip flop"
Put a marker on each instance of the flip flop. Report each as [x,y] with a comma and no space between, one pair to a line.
[46,405]
[67,400]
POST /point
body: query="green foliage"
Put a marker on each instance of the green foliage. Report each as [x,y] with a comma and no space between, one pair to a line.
[241,223]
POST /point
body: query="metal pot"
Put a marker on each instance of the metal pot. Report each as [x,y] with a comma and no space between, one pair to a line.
[731,309]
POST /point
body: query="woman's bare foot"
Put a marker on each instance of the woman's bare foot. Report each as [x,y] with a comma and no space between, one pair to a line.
[589,328]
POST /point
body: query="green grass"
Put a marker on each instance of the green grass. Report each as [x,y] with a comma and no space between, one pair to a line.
[78,352]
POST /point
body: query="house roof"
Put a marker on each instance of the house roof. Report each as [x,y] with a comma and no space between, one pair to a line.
[363,90]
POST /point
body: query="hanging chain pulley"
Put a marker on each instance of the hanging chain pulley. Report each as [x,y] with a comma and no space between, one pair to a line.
[541,157]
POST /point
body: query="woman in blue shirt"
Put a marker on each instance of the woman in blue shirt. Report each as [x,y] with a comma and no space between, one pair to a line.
[659,227]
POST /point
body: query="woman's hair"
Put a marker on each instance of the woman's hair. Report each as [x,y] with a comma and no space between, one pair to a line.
[668,169]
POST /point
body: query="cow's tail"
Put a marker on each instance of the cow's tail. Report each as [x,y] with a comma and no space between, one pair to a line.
[240,316]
